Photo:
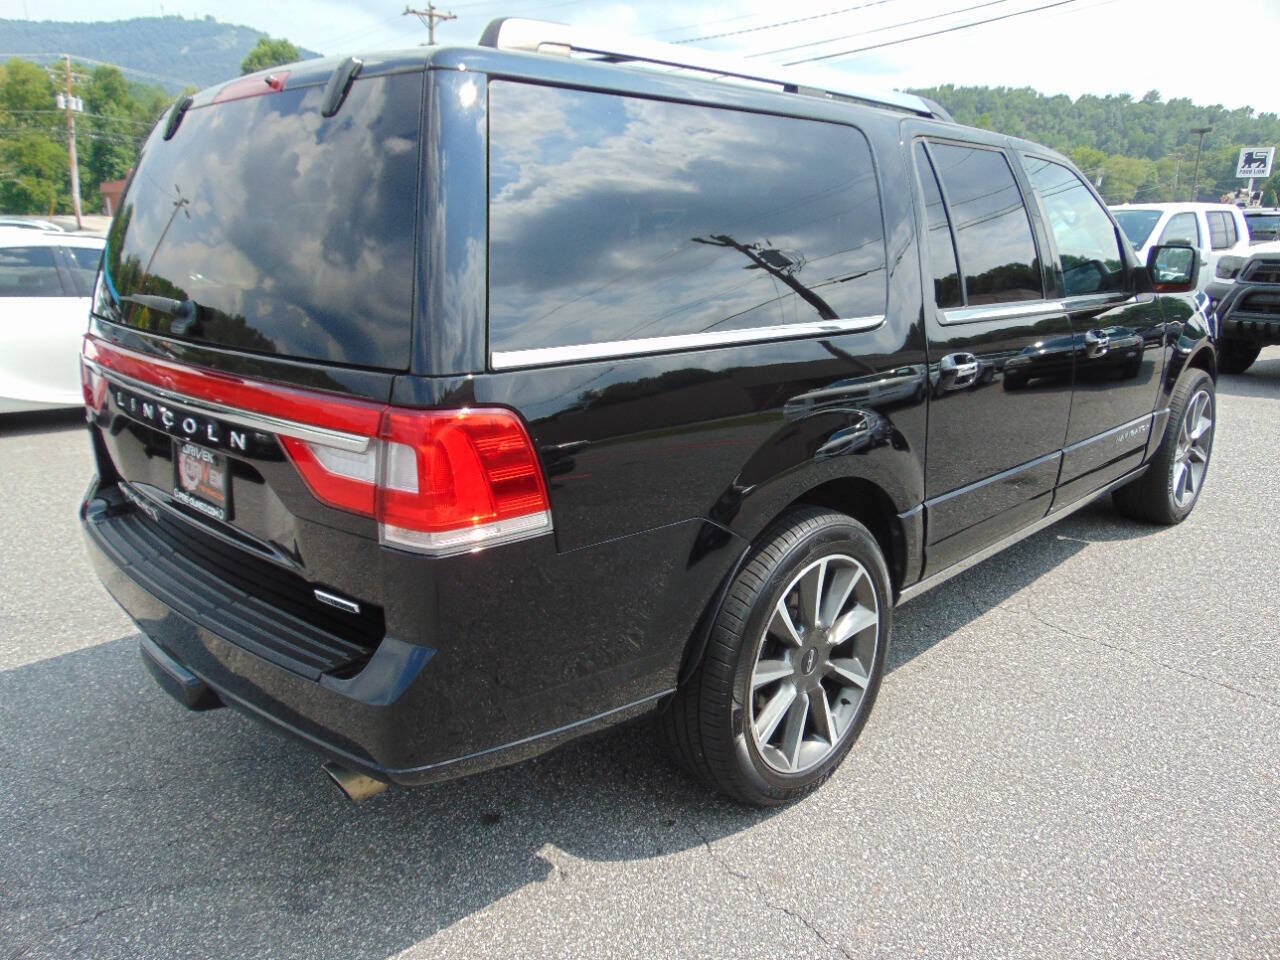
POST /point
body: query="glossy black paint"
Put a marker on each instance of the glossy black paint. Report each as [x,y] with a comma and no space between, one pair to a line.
[662,468]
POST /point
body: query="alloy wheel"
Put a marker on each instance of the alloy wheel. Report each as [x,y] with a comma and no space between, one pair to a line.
[1191,456]
[813,665]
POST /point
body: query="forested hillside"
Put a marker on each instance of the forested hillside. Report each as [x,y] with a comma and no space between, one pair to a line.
[1141,150]
[172,51]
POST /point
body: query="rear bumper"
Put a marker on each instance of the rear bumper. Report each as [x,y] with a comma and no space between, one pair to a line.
[398,719]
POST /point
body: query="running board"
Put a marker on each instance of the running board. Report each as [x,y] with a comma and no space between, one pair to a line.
[929,582]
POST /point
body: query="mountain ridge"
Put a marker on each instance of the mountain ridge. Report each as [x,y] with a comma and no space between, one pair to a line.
[172,51]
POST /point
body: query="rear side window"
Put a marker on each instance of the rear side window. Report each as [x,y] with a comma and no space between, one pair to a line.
[84,267]
[29,272]
[1182,228]
[993,232]
[942,250]
[1222,229]
[1087,246]
[617,218]
[1263,226]
[292,232]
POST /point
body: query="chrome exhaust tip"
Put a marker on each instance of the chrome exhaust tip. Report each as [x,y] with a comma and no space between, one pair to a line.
[357,787]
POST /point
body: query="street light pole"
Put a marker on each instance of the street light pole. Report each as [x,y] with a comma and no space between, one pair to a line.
[1195,179]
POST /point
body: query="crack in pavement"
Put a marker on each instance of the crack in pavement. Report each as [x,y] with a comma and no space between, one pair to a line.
[781,908]
[1121,648]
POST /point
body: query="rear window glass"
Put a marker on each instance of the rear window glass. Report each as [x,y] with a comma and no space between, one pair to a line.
[618,218]
[1137,224]
[29,272]
[293,233]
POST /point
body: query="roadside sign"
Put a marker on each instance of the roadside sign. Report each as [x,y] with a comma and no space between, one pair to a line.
[1255,162]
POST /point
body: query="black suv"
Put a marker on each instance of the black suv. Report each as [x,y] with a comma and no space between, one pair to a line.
[456,402]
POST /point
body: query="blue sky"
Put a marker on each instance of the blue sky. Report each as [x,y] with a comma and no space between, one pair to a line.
[1083,46]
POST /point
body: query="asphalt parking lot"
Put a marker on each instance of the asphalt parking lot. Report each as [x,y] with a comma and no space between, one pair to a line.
[1076,753]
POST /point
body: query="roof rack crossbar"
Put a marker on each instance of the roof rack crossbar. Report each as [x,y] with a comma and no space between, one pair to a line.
[541,36]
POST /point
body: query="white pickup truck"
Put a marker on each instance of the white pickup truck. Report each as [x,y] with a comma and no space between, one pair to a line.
[1217,230]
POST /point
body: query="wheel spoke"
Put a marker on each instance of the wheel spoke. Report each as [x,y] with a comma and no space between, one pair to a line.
[849,669]
[1196,454]
[793,732]
[824,721]
[767,720]
[839,587]
[782,627]
[1179,480]
[811,595]
[769,671]
[852,623]
[1201,427]
[1195,472]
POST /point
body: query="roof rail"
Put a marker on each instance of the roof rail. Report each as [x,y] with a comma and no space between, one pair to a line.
[542,36]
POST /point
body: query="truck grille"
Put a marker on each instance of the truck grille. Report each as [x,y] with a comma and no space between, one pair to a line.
[1259,304]
[253,603]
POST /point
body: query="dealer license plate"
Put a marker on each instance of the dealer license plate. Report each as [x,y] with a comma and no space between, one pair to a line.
[200,480]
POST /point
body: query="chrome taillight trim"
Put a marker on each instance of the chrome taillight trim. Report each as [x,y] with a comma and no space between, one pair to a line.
[253,421]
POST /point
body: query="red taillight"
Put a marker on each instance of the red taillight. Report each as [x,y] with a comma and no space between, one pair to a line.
[437,481]
[450,479]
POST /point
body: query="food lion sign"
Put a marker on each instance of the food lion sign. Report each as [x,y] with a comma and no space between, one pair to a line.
[1255,162]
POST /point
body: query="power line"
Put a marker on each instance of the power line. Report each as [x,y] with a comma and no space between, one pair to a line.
[100,63]
[787,23]
[863,33]
[932,33]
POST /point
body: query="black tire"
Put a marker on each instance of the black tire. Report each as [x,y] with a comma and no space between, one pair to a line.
[1237,356]
[1152,497]
[705,725]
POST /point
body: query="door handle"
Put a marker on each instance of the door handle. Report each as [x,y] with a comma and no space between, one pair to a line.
[958,370]
[1096,343]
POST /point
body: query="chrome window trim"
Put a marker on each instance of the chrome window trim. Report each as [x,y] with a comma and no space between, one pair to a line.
[254,421]
[608,350]
[1091,301]
[1002,311]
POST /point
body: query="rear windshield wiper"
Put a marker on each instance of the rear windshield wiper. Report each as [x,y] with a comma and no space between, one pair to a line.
[185,313]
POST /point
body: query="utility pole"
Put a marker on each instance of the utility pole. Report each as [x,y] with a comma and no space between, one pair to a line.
[429,17]
[71,145]
[1195,179]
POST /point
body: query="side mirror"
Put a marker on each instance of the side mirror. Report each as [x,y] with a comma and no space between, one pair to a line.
[1174,268]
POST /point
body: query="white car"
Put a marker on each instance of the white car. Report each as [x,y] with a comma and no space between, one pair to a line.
[1217,230]
[45,283]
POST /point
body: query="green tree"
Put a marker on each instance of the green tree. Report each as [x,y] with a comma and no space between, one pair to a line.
[33,175]
[269,53]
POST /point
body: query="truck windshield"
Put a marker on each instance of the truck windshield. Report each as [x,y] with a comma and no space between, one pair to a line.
[1137,224]
[1263,226]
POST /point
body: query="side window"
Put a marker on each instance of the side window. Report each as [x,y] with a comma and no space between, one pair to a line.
[993,232]
[942,250]
[618,218]
[84,263]
[1218,229]
[1085,237]
[1182,228]
[1233,235]
[29,272]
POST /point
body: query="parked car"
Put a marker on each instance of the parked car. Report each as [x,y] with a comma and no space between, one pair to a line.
[45,282]
[1248,310]
[1216,230]
[29,223]
[459,401]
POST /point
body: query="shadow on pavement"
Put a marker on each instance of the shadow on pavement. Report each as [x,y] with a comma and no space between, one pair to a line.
[1262,379]
[41,421]
[130,827]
